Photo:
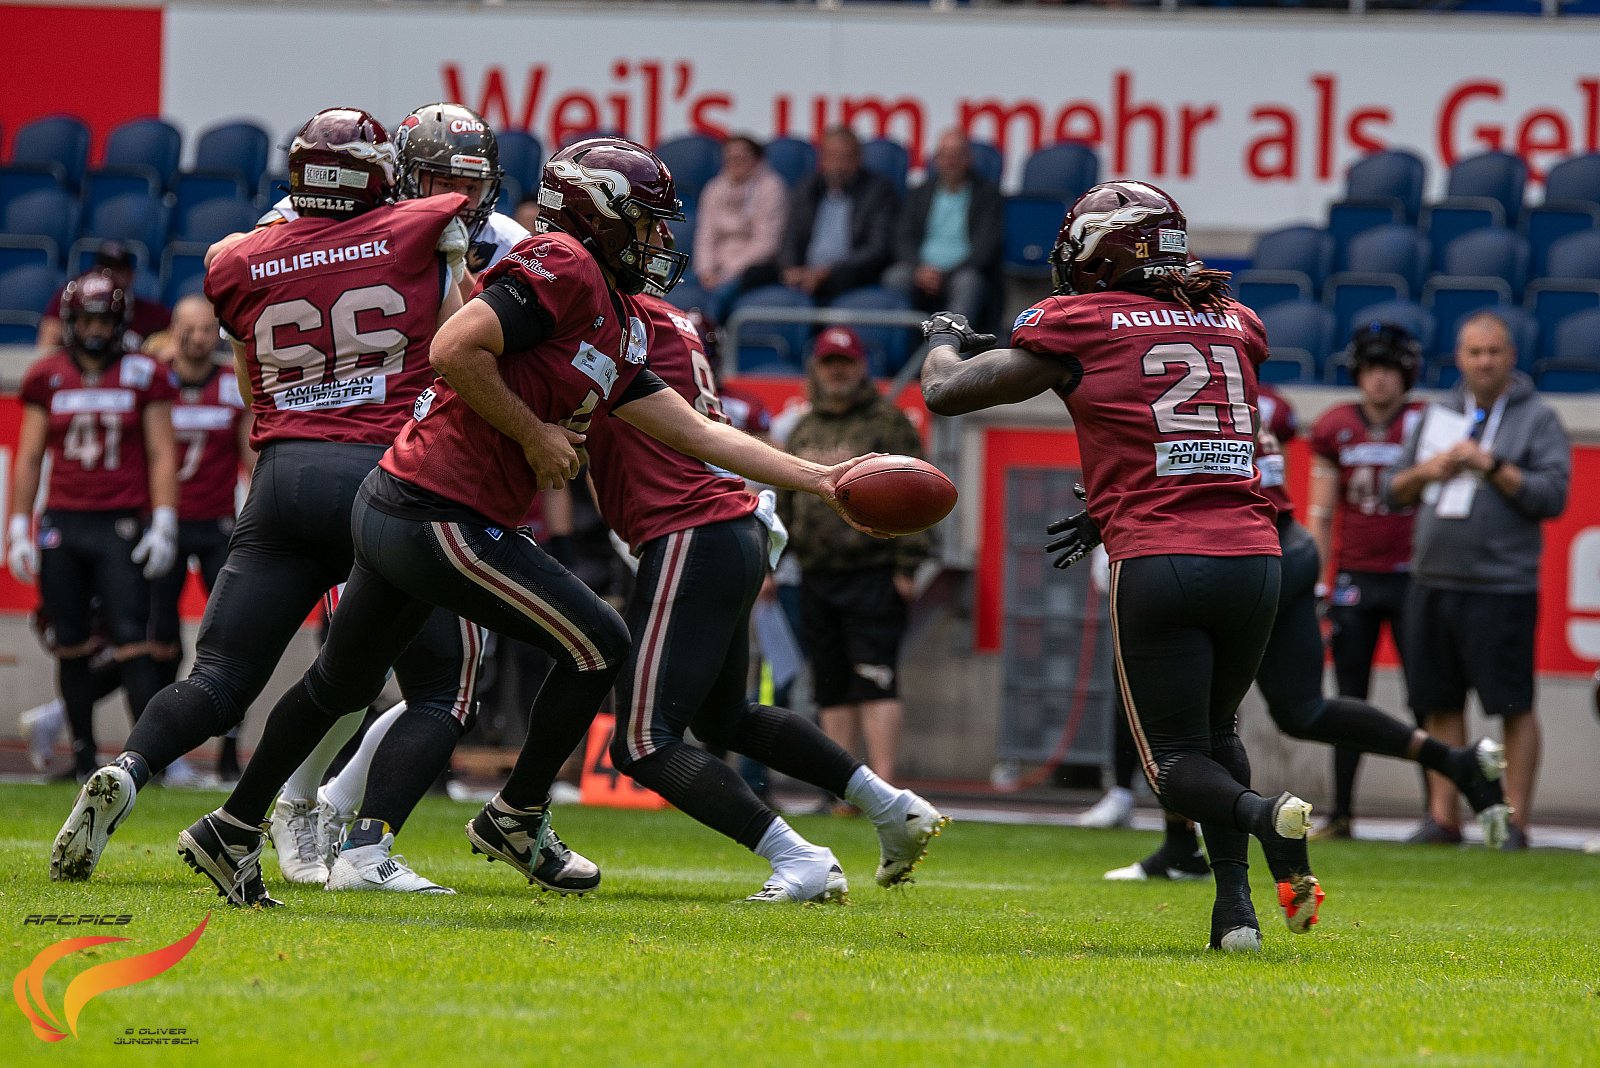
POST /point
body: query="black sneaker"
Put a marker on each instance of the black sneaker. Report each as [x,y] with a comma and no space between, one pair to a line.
[513,837]
[230,857]
[1430,832]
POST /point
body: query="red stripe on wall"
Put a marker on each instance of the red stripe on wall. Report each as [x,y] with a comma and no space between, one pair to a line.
[102,64]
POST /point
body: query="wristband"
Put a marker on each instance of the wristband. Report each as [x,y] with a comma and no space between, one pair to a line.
[944,337]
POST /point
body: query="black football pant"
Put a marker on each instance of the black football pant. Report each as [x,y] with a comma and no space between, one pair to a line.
[406,570]
[87,556]
[688,670]
[290,546]
[206,542]
[1379,598]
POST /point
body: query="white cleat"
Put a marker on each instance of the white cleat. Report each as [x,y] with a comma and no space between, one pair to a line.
[182,775]
[1115,809]
[1240,940]
[819,879]
[331,827]
[903,837]
[294,837]
[40,728]
[371,867]
[1495,819]
[103,803]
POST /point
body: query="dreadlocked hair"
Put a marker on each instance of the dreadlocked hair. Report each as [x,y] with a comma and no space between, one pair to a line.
[1196,287]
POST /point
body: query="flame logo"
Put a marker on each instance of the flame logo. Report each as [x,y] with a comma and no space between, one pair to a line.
[29,985]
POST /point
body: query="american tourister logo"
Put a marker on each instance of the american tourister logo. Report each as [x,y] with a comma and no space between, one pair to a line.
[92,982]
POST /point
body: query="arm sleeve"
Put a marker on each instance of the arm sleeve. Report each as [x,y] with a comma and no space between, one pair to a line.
[645,384]
[1546,471]
[523,320]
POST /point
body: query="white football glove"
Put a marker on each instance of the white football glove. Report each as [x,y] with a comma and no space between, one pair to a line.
[158,549]
[22,555]
[452,246]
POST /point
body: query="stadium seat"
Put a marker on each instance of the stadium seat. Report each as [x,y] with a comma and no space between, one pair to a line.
[521,157]
[1447,220]
[102,184]
[29,289]
[150,145]
[1306,249]
[1574,362]
[510,195]
[987,160]
[192,188]
[1395,250]
[1403,313]
[1349,219]
[238,149]
[1497,176]
[792,158]
[215,219]
[1490,253]
[273,188]
[136,220]
[1032,222]
[47,214]
[1451,300]
[887,346]
[1288,367]
[21,180]
[1066,170]
[693,159]
[1349,296]
[770,347]
[689,294]
[183,271]
[60,142]
[1395,175]
[1299,326]
[1576,256]
[683,232]
[1257,290]
[1550,222]
[1552,301]
[24,252]
[888,159]
[1575,179]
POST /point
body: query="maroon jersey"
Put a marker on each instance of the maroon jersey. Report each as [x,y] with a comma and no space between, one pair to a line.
[1165,409]
[1370,536]
[647,489]
[594,350]
[96,436]
[336,316]
[1276,418]
[205,420]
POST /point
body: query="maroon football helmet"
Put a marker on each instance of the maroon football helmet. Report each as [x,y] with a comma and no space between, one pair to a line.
[600,191]
[1117,233]
[341,163]
[96,292]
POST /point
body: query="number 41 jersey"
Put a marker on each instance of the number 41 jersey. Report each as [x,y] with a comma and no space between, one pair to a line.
[336,316]
[1165,410]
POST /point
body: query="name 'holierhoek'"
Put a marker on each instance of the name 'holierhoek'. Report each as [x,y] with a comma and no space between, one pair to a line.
[282,265]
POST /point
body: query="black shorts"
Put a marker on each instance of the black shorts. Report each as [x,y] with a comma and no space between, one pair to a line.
[1359,604]
[1460,640]
[853,623]
[291,545]
[205,541]
[84,555]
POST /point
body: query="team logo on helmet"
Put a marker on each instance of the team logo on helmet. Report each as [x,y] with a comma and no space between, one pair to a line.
[605,187]
[1091,226]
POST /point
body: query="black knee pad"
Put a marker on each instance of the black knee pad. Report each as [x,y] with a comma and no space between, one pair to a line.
[339,698]
[1228,750]
[1298,719]
[225,710]
[610,636]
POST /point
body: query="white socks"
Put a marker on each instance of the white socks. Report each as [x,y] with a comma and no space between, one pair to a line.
[345,790]
[302,785]
[870,794]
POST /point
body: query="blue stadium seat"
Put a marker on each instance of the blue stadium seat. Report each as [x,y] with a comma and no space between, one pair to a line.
[273,188]
[134,219]
[60,142]
[888,159]
[24,252]
[510,195]
[1067,170]
[1394,174]
[987,160]
[792,158]
[683,232]
[887,346]
[49,214]
[1350,297]
[1577,178]
[1449,219]
[1299,326]
[29,290]
[1497,176]
[779,348]
[689,294]
[183,271]
[1347,220]
[1257,290]
[1576,256]
[1453,299]
[1574,362]
[693,159]
[192,188]
[102,184]
[238,149]
[1551,301]
[149,145]
[19,181]
[1032,222]
[1490,253]
[1550,222]
[521,157]
[1396,250]
[215,219]
[1306,249]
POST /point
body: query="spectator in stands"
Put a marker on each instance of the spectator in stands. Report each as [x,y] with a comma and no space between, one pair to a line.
[948,243]
[840,231]
[739,222]
[1473,605]
[854,589]
[145,317]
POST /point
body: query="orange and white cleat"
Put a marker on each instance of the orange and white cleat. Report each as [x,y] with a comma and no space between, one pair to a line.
[1300,897]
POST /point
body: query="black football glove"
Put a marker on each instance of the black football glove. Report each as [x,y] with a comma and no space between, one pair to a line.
[952,328]
[1081,535]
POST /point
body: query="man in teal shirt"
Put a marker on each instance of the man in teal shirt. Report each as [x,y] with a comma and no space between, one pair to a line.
[947,246]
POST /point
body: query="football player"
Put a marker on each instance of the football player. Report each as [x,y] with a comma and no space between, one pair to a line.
[552,342]
[1354,446]
[110,523]
[1157,366]
[330,316]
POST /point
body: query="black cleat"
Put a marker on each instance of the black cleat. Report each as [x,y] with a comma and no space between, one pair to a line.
[230,857]
[513,838]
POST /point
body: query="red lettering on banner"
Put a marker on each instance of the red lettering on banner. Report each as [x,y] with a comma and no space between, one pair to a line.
[780,116]
[562,128]
[652,102]
[1557,139]
[883,113]
[700,120]
[1271,157]
[493,104]
[1324,86]
[1453,104]
[1090,132]
[1590,88]
[997,118]
[620,103]
[1190,119]
[1356,132]
[1126,114]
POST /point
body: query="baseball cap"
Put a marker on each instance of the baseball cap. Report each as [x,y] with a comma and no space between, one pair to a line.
[839,341]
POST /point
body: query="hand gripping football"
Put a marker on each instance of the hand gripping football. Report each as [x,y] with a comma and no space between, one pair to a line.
[896,494]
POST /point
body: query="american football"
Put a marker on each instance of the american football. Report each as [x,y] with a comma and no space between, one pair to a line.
[897,494]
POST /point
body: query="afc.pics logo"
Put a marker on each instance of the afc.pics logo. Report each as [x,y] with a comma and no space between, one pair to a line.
[90,983]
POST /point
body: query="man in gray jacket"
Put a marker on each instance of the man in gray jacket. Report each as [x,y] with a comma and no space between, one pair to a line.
[1471,613]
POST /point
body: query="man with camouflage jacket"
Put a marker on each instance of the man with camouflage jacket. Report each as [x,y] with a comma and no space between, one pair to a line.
[854,589]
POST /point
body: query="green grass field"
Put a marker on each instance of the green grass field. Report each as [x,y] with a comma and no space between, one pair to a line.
[1009,950]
